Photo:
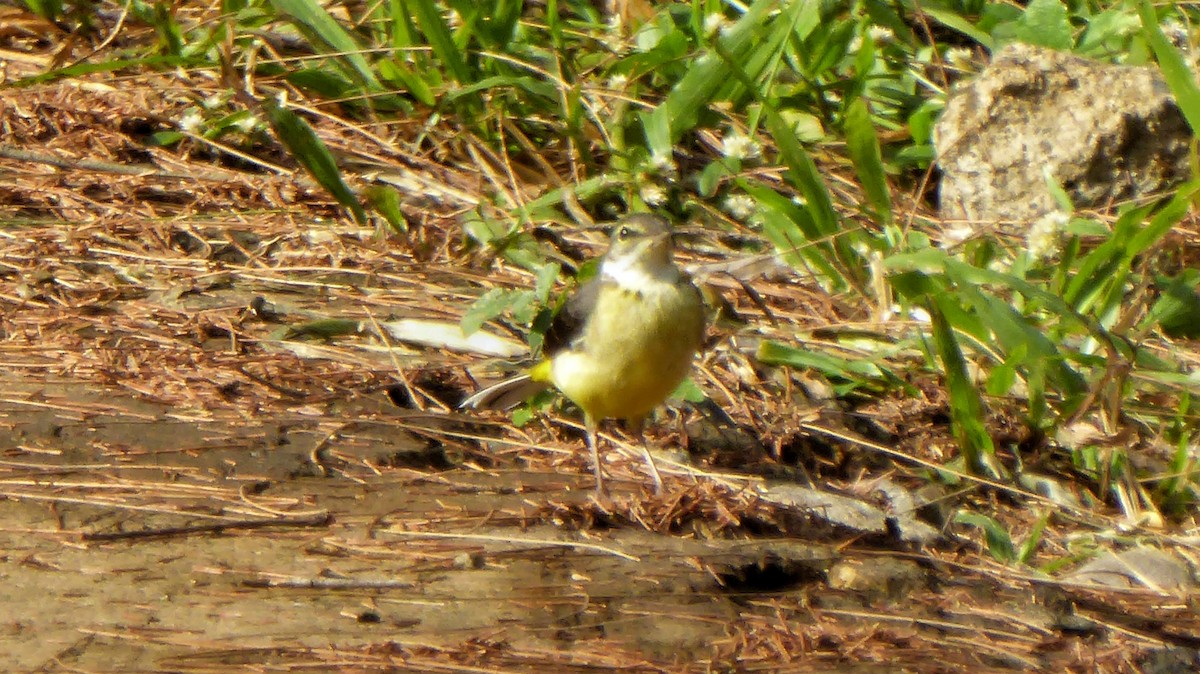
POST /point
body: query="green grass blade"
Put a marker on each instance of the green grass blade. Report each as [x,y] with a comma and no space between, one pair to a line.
[999,543]
[1104,262]
[321,29]
[1098,285]
[47,9]
[698,87]
[965,274]
[312,154]
[774,353]
[1015,332]
[1175,70]
[803,173]
[396,71]
[863,145]
[431,23]
[966,406]
[162,62]
[954,22]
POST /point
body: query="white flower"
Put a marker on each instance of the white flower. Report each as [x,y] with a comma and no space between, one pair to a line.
[618,81]
[1002,265]
[1042,238]
[714,22]
[736,145]
[191,121]
[247,124]
[958,58]
[856,43]
[920,315]
[740,206]
[952,236]
[663,164]
[653,195]
[917,314]
[216,100]
[881,34]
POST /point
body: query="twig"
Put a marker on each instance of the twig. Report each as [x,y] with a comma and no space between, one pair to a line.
[143,170]
[330,583]
[318,520]
[514,540]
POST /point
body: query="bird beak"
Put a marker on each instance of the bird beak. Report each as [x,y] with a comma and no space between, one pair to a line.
[662,242]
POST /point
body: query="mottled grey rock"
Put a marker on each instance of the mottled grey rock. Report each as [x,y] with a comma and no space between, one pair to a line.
[1104,132]
[1153,568]
[854,514]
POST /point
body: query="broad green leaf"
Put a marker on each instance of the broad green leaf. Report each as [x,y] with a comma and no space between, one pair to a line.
[1102,263]
[89,68]
[1003,376]
[710,178]
[47,9]
[1046,23]
[323,82]
[546,206]
[386,201]
[658,134]
[966,274]
[1107,29]
[689,391]
[803,173]
[1015,331]
[491,304]
[547,274]
[170,34]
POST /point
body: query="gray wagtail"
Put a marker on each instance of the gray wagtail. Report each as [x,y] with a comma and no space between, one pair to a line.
[622,342]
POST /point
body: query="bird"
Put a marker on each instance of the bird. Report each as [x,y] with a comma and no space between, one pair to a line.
[622,342]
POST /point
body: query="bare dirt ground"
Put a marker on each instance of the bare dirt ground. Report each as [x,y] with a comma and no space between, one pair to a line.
[190,483]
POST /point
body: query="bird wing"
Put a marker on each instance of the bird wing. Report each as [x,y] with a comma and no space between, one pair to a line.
[567,328]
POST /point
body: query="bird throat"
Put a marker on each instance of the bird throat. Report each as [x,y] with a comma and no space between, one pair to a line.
[637,273]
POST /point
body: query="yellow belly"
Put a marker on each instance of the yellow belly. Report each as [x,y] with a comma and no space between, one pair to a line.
[637,347]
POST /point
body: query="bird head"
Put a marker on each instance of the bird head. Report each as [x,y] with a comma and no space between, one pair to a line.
[641,242]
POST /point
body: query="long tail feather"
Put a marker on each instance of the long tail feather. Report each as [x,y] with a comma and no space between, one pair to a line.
[504,395]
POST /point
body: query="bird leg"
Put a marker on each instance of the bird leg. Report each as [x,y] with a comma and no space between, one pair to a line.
[637,427]
[591,424]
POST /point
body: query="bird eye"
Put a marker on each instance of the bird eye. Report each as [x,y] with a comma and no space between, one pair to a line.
[624,233]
